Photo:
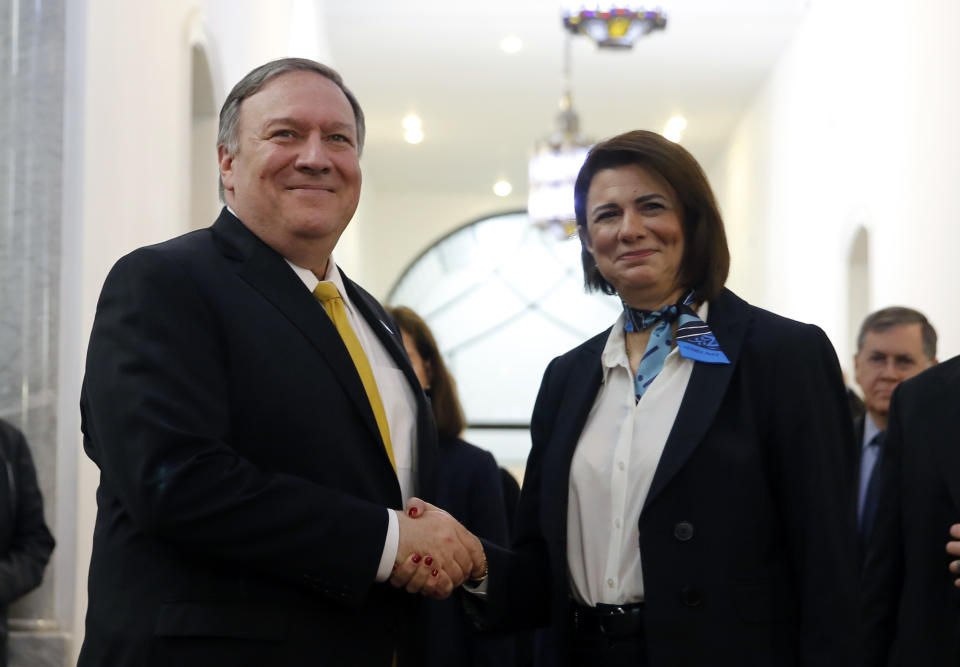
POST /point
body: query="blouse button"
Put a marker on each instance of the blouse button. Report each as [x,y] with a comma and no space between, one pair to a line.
[621,465]
[610,583]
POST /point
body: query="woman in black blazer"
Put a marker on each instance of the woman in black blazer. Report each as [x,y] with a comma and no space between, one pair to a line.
[470,488]
[687,500]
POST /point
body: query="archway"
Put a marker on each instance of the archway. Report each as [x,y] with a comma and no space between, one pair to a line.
[204,205]
[858,282]
[503,298]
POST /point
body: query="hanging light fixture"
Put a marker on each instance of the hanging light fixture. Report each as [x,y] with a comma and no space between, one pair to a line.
[558,157]
[555,164]
[613,25]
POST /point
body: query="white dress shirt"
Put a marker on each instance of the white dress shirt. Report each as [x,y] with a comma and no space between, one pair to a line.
[398,400]
[612,469]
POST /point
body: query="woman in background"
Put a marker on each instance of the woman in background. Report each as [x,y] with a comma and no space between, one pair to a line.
[469,488]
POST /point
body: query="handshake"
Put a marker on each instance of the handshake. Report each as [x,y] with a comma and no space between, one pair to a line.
[436,553]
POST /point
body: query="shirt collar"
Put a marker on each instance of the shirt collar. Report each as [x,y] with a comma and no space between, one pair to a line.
[332,275]
[310,279]
[615,351]
[870,429]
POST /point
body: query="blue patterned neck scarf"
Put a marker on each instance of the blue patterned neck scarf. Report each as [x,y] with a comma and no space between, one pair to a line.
[694,338]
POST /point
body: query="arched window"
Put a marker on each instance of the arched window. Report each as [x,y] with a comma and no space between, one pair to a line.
[502,298]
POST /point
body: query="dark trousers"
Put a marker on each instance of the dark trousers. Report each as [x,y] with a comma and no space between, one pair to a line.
[600,651]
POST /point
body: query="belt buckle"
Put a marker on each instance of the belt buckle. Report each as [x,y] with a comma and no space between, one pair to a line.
[611,617]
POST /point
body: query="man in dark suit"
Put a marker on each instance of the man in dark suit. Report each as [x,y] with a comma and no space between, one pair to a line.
[257,423]
[911,607]
[893,345]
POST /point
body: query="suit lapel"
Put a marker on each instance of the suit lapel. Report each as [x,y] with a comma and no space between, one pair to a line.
[267,272]
[728,319]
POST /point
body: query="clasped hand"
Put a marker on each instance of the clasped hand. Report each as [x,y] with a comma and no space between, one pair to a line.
[436,553]
[953,548]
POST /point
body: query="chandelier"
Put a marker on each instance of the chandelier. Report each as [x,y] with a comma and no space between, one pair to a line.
[553,169]
[613,26]
[557,158]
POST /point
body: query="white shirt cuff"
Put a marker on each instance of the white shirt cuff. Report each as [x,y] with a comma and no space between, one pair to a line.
[390,546]
[480,590]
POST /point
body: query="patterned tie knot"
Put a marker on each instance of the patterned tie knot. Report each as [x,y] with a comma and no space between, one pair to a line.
[641,320]
[326,291]
[693,337]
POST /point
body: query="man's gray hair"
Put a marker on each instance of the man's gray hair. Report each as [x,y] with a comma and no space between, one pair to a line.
[895,316]
[228,135]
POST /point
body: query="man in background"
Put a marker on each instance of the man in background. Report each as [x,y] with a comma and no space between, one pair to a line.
[893,345]
[257,423]
[911,606]
[25,540]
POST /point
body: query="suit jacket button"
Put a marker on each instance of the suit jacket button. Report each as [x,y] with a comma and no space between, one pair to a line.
[691,596]
[683,531]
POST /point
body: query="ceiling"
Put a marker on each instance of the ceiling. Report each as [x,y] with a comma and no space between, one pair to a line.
[483,109]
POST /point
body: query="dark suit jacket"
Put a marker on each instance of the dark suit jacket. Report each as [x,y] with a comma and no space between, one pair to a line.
[911,607]
[244,483]
[511,496]
[25,540]
[469,488]
[747,533]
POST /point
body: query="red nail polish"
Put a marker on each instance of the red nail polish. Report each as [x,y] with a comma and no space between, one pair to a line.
[394,567]
[416,558]
[428,560]
[412,512]
[435,572]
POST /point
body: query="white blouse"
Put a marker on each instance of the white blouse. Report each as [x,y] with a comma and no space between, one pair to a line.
[612,469]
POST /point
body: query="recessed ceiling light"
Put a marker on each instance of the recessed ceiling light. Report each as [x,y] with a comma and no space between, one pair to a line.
[412,122]
[511,44]
[413,136]
[502,188]
[675,128]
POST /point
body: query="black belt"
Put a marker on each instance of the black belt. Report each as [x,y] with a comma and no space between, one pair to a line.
[611,620]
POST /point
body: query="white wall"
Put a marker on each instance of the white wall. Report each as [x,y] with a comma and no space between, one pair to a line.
[857,125]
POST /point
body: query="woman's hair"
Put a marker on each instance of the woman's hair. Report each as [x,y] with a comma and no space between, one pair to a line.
[706,258]
[443,390]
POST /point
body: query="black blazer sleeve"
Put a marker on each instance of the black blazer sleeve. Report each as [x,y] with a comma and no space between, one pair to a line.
[813,470]
[27,540]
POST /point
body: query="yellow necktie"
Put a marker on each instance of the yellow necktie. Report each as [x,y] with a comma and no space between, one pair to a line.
[328,294]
